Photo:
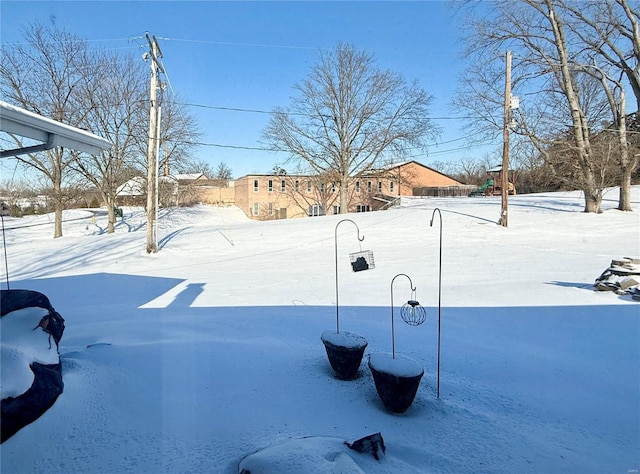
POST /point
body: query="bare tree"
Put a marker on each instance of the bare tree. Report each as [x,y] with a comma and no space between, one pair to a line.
[45,76]
[610,31]
[223,171]
[179,134]
[611,34]
[115,94]
[546,67]
[313,193]
[195,167]
[350,116]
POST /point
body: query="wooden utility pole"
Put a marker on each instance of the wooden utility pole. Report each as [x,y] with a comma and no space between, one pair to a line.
[152,150]
[504,182]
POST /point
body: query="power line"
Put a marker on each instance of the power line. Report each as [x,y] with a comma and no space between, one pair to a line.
[227,43]
[270,112]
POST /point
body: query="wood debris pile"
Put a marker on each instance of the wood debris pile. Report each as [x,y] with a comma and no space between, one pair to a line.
[622,277]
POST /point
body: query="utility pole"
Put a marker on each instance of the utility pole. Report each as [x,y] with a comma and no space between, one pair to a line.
[152,150]
[504,182]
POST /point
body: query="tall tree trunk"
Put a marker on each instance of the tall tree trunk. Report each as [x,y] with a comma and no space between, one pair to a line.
[110,202]
[57,206]
[344,195]
[627,163]
[624,201]
[592,195]
[592,199]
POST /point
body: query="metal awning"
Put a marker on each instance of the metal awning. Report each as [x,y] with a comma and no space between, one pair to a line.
[51,133]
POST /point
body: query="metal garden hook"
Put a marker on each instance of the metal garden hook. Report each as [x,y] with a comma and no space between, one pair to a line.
[439,292]
[360,239]
[393,337]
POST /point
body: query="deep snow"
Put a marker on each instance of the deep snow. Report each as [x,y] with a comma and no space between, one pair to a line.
[195,357]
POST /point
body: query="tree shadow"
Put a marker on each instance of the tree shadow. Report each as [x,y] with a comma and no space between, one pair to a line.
[571,284]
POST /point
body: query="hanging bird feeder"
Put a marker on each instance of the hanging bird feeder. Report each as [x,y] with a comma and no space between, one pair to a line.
[362,260]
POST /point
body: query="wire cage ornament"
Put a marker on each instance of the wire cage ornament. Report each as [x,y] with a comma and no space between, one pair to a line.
[412,313]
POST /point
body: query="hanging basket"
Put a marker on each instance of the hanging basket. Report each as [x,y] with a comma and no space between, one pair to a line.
[362,260]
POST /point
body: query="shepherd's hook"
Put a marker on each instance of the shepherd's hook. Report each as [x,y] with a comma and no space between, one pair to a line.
[4,242]
[336,252]
[393,336]
[439,293]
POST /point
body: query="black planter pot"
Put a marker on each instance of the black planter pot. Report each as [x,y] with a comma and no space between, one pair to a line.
[345,351]
[396,388]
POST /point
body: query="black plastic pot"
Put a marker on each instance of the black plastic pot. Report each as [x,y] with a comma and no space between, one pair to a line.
[396,389]
[345,351]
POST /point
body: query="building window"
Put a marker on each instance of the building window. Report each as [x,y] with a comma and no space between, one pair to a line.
[363,208]
[391,187]
[333,187]
[255,185]
[256,208]
[308,186]
[270,208]
[369,187]
[270,187]
[297,185]
[322,187]
[336,210]
[379,186]
[283,185]
[315,210]
[357,186]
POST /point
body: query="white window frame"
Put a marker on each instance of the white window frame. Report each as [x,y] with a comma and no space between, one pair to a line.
[316,210]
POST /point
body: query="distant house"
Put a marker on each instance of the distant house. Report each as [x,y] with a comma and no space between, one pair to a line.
[134,187]
[179,189]
[134,191]
[190,178]
[286,196]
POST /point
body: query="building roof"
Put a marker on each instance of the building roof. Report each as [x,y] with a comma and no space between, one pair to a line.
[137,185]
[48,131]
[189,176]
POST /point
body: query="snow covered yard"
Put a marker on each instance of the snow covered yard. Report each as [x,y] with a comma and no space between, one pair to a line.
[190,359]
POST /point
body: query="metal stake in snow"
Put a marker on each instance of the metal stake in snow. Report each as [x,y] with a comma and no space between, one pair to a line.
[439,292]
[4,242]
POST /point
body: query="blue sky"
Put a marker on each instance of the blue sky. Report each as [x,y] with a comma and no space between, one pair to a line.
[248,55]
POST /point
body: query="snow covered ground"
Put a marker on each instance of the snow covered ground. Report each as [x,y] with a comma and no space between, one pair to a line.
[190,359]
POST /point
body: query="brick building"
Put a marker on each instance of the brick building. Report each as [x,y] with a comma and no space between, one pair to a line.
[289,196]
